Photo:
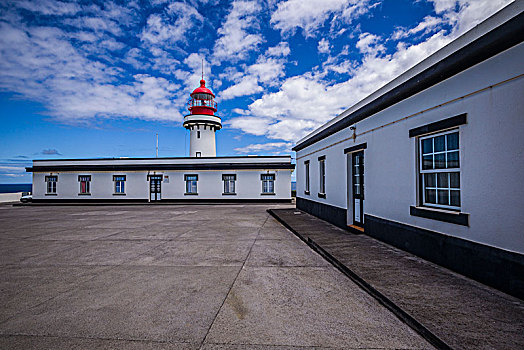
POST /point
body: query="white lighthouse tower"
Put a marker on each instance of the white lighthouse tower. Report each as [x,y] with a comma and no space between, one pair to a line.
[202,122]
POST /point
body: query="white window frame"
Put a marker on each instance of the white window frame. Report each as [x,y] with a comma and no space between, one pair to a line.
[229,183]
[268,183]
[435,171]
[191,183]
[120,184]
[51,185]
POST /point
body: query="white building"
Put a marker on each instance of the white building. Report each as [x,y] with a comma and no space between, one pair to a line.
[201,177]
[433,162]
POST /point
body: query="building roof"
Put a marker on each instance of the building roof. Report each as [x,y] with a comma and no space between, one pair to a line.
[501,31]
[173,163]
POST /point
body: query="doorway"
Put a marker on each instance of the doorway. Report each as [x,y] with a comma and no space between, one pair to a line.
[155,187]
[358,188]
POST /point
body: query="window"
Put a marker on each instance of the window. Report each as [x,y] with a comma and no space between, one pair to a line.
[229,183]
[198,154]
[198,134]
[191,184]
[268,183]
[51,184]
[440,170]
[306,166]
[120,181]
[85,181]
[322,175]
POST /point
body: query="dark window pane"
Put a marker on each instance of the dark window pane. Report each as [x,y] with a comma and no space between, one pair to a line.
[429,180]
[453,141]
[440,161]
[440,143]
[443,197]
[455,198]
[454,180]
[427,146]
[431,196]
[453,159]
[427,162]
[442,180]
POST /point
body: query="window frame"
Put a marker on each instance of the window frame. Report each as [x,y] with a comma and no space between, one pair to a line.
[193,181]
[436,171]
[53,187]
[87,180]
[117,179]
[322,176]
[307,183]
[227,180]
[268,182]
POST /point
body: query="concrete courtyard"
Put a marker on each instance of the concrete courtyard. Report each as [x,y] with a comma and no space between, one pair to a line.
[177,277]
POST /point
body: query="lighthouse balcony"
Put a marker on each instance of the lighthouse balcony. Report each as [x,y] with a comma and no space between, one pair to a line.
[192,120]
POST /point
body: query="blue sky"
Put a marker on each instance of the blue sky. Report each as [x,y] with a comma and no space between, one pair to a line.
[83,79]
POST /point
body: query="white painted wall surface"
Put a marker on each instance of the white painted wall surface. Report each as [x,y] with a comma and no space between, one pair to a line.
[491,155]
[206,144]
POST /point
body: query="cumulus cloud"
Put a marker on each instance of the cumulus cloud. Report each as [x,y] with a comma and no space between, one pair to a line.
[171,25]
[312,14]
[272,147]
[282,49]
[323,46]
[239,35]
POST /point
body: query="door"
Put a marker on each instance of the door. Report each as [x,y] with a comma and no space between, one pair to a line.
[358,188]
[155,187]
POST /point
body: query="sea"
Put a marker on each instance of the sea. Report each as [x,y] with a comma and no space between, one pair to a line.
[13,188]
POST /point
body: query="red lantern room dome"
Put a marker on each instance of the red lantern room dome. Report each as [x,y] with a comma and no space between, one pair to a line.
[202,100]
[202,89]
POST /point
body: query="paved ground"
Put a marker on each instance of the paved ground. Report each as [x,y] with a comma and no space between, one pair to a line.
[463,313]
[176,277]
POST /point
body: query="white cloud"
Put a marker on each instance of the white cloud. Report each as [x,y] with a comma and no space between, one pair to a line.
[312,14]
[170,27]
[236,39]
[282,49]
[370,44]
[265,71]
[428,24]
[247,86]
[323,46]
[276,147]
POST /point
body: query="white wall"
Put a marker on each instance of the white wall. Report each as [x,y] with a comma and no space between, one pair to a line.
[206,144]
[491,151]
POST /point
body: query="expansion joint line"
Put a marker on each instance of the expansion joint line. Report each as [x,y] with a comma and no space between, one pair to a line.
[234,281]
[353,137]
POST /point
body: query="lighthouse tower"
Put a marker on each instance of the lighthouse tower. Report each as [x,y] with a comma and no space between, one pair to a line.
[202,122]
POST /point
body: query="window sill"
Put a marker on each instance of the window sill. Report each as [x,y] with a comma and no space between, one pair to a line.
[51,194]
[307,192]
[190,194]
[229,194]
[440,215]
[84,194]
[321,195]
[267,194]
[119,194]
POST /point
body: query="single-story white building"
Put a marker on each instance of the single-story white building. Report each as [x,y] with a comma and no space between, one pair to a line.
[433,162]
[258,178]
